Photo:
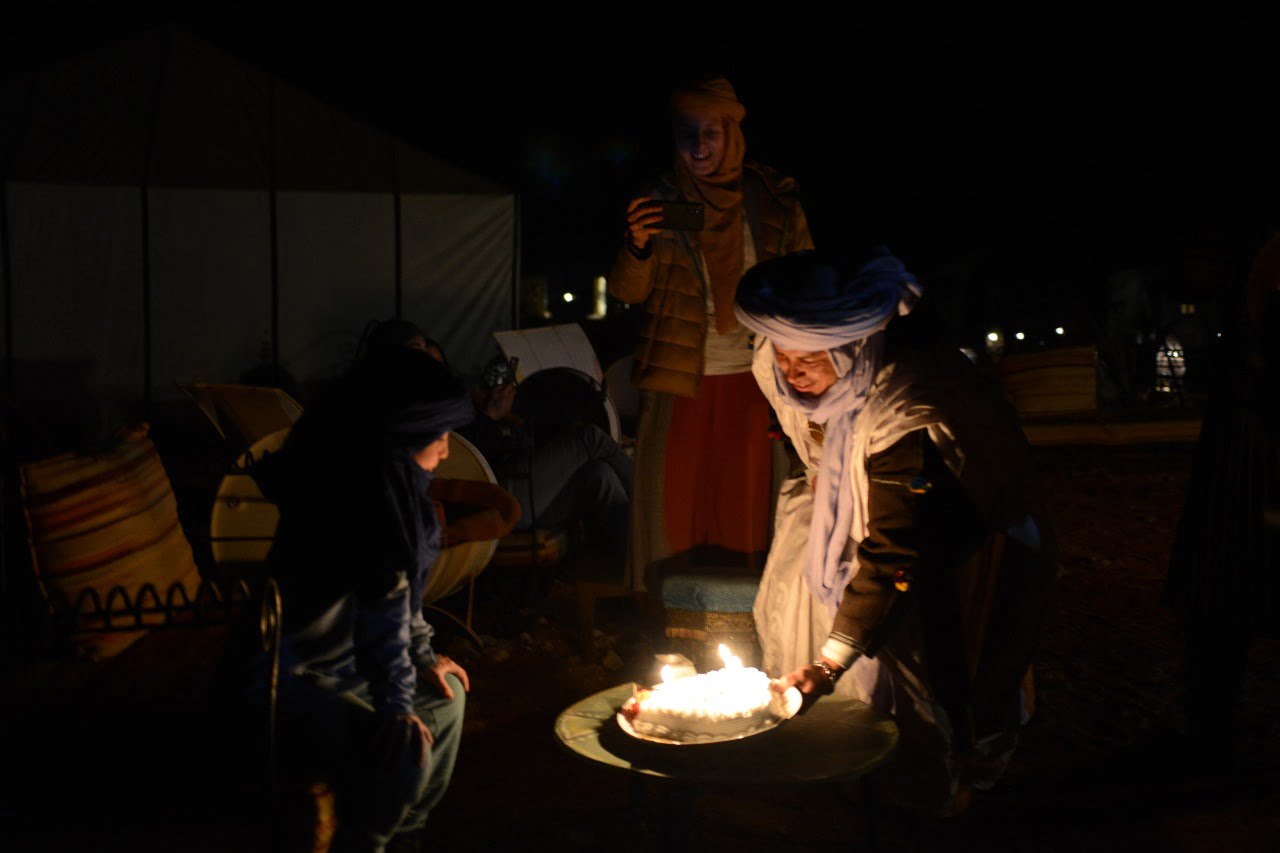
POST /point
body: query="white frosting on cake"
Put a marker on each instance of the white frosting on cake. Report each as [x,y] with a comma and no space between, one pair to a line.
[714,705]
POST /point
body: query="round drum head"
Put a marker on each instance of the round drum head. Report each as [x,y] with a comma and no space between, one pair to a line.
[560,397]
[242,523]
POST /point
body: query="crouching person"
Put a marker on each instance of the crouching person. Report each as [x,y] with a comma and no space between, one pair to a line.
[364,701]
[926,567]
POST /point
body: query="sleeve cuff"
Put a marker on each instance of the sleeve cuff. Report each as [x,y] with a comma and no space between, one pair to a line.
[420,650]
[639,254]
[840,652]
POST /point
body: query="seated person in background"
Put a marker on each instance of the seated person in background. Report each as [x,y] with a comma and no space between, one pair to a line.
[364,700]
[577,473]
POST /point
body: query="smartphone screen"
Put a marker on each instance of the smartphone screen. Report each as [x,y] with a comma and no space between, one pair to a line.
[682,215]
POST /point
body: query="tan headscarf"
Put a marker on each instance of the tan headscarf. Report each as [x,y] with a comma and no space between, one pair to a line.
[721,192]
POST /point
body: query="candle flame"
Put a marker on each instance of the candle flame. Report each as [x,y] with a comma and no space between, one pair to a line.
[730,660]
[666,673]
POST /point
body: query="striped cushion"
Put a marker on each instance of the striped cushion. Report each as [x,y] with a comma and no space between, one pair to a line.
[97,522]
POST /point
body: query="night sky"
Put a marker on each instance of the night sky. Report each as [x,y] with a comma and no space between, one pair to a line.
[1032,151]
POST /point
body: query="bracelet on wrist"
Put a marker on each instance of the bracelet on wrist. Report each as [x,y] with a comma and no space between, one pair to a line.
[832,675]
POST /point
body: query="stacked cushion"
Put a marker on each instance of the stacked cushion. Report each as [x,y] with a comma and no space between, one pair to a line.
[705,610]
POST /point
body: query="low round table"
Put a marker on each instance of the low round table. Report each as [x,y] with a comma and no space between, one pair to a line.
[837,740]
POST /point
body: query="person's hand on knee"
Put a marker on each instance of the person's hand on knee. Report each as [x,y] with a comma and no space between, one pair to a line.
[443,666]
[396,734]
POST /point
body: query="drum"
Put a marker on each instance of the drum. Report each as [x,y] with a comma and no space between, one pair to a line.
[458,565]
[558,398]
[243,523]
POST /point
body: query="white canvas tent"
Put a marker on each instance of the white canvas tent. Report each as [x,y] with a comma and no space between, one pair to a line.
[171,214]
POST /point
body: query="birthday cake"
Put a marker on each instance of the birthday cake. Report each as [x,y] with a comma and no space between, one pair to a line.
[728,703]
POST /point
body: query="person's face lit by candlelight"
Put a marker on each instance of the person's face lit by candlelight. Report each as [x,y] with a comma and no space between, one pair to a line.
[433,454]
[810,373]
[700,140]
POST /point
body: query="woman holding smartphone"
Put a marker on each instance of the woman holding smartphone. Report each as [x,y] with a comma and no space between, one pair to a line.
[704,462]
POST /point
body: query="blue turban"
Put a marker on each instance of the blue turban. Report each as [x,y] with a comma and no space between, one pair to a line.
[817,302]
[812,301]
[409,396]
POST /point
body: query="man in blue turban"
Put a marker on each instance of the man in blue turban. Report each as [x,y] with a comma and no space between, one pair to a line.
[911,564]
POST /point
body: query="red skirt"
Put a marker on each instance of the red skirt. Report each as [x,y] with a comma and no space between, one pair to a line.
[718,470]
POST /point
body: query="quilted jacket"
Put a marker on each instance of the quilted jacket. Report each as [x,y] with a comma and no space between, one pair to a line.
[669,278]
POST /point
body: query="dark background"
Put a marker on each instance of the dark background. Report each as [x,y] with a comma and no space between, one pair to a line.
[1014,159]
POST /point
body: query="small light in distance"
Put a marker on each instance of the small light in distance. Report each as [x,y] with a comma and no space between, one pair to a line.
[568,297]
[1059,331]
[993,336]
[1020,336]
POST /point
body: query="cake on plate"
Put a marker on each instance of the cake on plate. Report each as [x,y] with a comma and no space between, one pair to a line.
[724,704]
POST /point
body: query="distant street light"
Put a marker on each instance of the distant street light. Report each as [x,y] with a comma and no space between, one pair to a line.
[600,289]
[995,343]
[568,297]
[1020,336]
[1059,331]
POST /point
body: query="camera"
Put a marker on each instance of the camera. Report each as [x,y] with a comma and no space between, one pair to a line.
[500,371]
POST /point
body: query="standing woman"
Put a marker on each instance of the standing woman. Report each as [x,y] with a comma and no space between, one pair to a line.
[704,461]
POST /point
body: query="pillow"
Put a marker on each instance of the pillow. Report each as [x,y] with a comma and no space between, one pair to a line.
[106,520]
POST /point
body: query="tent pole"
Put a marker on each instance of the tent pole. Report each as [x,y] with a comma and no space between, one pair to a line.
[6,259]
[399,246]
[515,268]
[145,193]
[6,270]
[271,220]
[146,300]
[395,199]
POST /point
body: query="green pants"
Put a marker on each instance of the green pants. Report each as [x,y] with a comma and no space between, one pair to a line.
[325,734]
